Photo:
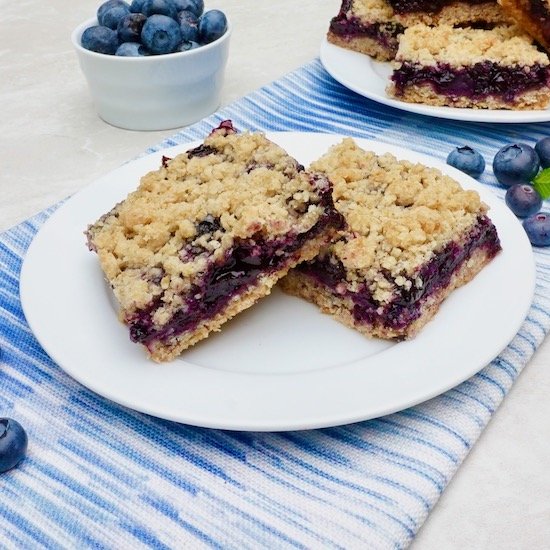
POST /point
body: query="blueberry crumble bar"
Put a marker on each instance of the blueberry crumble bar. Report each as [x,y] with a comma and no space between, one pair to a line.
[499,68]
[366,26]
[412,236]
[373,27]
[207,235]
[533,16]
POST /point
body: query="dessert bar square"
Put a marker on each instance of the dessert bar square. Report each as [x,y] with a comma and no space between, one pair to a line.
[207,235]
[498,68]
[366,26]
[373,27]
[533,16]
[413,235]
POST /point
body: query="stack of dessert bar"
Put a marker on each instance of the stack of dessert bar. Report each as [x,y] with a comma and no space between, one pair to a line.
[469,54]
[376,242]
[373,27]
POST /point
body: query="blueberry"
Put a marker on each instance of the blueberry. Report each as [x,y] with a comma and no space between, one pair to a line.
[516,163]
[129,27]
[467,160]
[136,6]
[100,39]
[131,49]
[212,25]
[160,7]
[523,200]
[189,25]
[208,225]
[13,443]
[160,34]
[195,6]
[543,151]
[111,16]
[537,228]
[107,6]
[186,46]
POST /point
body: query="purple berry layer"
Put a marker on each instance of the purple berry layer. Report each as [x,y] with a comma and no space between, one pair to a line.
[384,34]
[475,82]
[241,268]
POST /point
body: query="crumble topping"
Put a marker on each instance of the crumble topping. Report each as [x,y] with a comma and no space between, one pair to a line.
[399,214]
[188,213]
[371,10]
[464,14]
[505,45]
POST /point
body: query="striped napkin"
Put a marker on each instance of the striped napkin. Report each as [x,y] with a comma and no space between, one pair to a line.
[98,475]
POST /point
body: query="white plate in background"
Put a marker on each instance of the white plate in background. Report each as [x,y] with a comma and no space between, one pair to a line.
[369,78]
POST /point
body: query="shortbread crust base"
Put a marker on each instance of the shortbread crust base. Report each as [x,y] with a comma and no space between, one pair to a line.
[532,100]
[365,45]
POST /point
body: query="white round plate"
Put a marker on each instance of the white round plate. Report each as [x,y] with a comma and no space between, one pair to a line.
[281,365]
[369,78]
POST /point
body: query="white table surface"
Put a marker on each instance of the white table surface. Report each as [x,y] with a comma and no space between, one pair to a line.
[52,144]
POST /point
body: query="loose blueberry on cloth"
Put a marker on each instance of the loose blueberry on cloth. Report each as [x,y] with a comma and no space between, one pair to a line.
[537,227]
[542,148]
[13,443]
[516,163]
[523,200]
[467,160]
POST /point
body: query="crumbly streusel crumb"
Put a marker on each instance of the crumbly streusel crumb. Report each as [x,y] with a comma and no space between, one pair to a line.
[399,214]
[506,45]
[528,101]
[371,10]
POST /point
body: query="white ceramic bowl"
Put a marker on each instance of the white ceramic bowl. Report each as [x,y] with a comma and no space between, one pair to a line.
[156,92]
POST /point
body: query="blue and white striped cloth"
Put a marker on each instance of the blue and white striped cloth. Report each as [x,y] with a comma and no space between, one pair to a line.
[98,475]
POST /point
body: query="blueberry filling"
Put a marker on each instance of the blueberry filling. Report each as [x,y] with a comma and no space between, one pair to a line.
[242,266]
[256,165]
[202,151]
[406,305]
[208,225]
[430,6]
[226,126]
[478,81]
[480,24]
[384,33]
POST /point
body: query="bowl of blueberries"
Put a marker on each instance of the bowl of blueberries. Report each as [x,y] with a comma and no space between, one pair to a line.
[154,64]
